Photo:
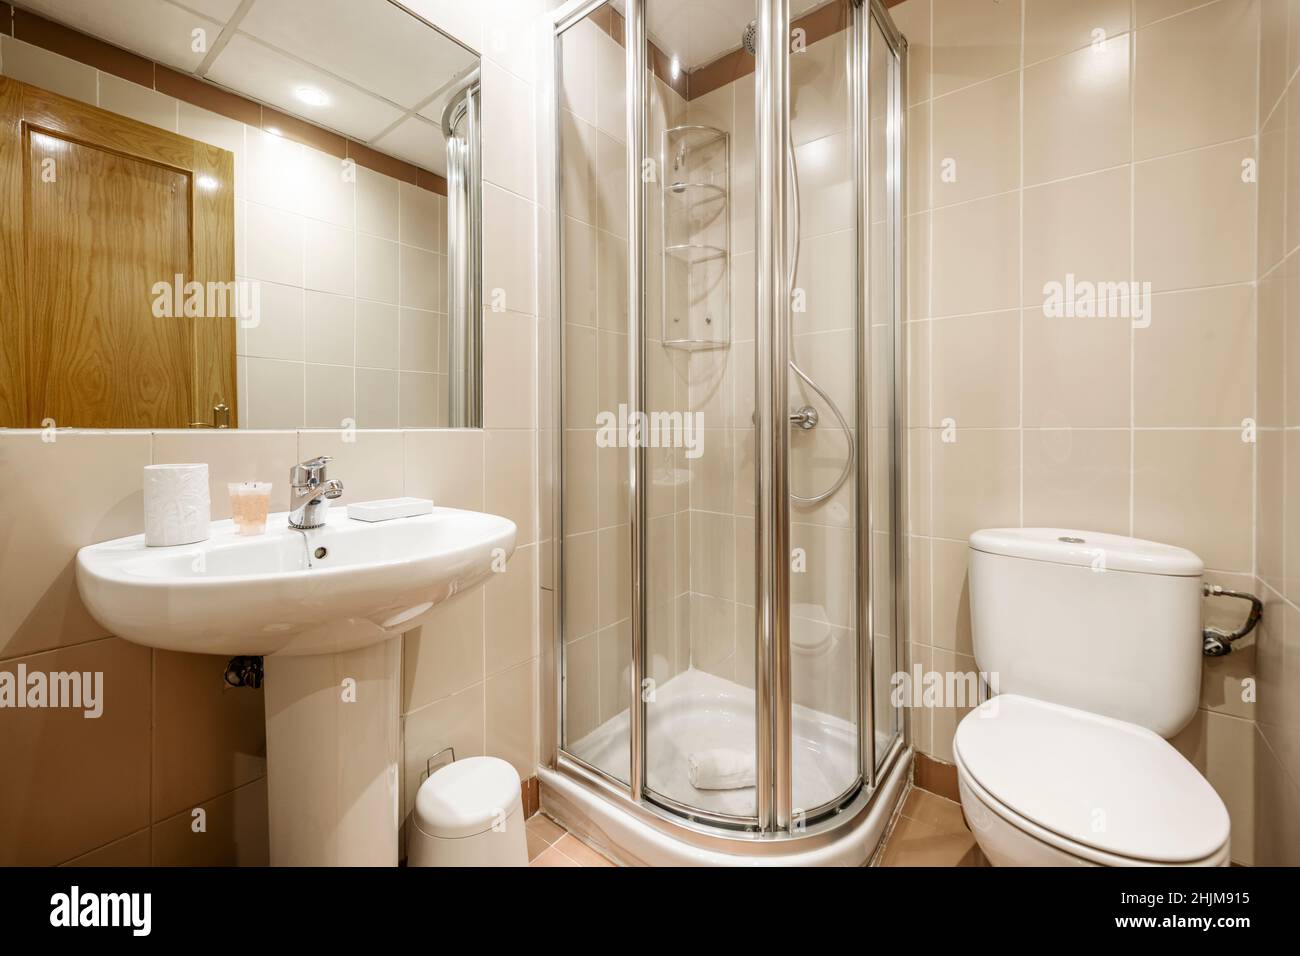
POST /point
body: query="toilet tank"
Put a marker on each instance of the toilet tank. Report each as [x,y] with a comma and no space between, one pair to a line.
[1100,622]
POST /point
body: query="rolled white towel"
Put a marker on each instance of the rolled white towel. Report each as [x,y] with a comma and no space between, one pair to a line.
[722,768]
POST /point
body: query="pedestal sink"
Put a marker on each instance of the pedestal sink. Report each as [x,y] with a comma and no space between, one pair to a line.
[326,609]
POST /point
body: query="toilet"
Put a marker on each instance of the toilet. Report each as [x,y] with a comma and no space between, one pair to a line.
[1092,643]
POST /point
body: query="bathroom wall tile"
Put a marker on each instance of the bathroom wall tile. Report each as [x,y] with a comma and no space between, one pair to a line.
[1291,518]
[419,278]
[614,556]
[131,850]
[421,346]
[1149,11]
[376,204]
[507,130]
[222,132]
[445,654]
[330,396]
[509,389]
[1277,826]
[1053,27]
[1196,337]
[329,189]
[944,720]
[1077,115]
[976,369]
[369,463]
[509,253]
[376,334]
[47,813]
[137,102]
[49,511]
[1273,73]
[232,455]
[445,465]
[236,832]
[1291,342]
[1222,748]
[455,721]
[976,141]
[511,598]
[509,471]
[973,40]
[951,590]
[329,257]
[918,266]
[377,398]
[208,737]
[826,183]
[417,217]
[275,394]
[1181,101]
[279,329]
[275,174]
[580,585]
[1194,218]
[1096,247]
[976,481]
[1076,371]
[39,67]
[376,269]
[819,108]
[331,328]
[1270,532]
[275,245]
[976,255]
[510,725]
[1180,501]
[918,158]
[1077,478]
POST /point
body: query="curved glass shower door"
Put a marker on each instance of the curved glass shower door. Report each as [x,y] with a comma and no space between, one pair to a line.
[729,548]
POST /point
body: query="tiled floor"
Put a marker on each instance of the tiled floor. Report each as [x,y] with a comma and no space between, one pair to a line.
[931,832]
[549,844]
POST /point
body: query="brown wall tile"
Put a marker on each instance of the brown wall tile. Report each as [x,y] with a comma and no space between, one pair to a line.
[300,131]
[235,834]
[208,737]
[207,96]
[72,783]
[936,776]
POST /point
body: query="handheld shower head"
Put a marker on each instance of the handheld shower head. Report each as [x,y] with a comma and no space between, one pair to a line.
[749,40]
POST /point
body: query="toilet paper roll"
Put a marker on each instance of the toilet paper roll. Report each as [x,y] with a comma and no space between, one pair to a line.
[177,508]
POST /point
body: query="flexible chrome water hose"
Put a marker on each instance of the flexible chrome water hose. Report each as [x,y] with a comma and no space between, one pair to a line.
[794,366]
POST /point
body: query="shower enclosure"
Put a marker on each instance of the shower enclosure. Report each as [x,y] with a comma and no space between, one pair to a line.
[723,409]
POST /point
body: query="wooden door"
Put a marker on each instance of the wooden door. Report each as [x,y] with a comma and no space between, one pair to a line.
[106,225]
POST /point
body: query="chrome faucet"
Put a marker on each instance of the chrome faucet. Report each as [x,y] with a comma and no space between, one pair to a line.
[309,493]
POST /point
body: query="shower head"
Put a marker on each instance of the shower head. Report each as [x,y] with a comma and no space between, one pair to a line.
[749,40]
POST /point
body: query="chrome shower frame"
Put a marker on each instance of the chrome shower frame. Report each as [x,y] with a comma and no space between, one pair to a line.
[460,128]
[778,827]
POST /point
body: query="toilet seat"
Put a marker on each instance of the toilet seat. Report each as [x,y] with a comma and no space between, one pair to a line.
[1096,788]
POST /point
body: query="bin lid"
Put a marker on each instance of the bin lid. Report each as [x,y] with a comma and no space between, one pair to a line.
[467,797]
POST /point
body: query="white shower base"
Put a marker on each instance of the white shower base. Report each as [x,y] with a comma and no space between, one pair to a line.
[695,711]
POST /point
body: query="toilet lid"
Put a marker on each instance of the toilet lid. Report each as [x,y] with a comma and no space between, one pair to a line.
[1101,782]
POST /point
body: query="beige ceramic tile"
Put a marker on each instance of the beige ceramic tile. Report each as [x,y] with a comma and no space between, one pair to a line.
[975,141]
[510,727]
[973,40]
[1077,117]
[976,370]
[1194,218]
[236,833]
[1076,371]
[49,511]
[1178,500]
[1077,478]
[976,481]
[445,465]
[976,256]
[1076,227]
[445,654]
[1053,27]
[1181,101]
[235,455]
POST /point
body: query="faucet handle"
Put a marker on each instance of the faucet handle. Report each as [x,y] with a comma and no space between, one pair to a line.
[309,472]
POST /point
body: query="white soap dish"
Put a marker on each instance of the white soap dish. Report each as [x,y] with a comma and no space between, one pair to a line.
[389,508]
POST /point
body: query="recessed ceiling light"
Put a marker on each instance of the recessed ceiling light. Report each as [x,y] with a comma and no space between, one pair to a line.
[312,96]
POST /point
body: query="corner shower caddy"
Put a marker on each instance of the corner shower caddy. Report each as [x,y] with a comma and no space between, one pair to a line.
[695,228]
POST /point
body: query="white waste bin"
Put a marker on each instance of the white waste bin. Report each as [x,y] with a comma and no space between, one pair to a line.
[469,813]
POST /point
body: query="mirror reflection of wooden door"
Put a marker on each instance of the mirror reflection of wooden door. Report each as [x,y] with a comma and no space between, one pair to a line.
[103,221]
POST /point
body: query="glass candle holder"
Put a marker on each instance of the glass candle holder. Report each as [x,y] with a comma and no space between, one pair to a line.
[250,502]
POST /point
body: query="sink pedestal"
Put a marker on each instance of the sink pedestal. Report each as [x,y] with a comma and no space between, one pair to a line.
[333,748]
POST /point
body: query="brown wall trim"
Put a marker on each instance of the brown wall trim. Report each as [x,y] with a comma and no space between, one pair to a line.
[936,776]
[825,21]
[55,37]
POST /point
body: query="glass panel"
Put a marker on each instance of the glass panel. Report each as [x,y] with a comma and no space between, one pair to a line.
[699,355]
[882,303]
[823,376]
[597,572]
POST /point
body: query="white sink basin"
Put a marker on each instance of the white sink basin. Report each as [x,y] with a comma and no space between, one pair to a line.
[269,595]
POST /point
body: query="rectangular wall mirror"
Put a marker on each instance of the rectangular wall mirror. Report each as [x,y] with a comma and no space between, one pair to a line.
[257,214]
